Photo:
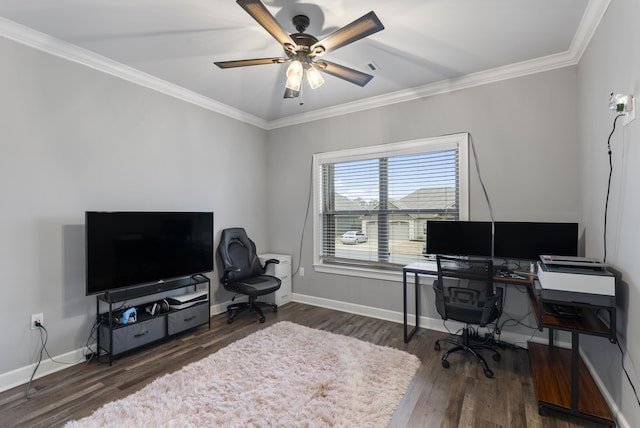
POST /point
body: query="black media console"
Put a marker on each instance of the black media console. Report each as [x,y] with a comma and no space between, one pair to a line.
[115,338]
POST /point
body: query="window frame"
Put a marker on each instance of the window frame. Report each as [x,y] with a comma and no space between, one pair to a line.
[459,141]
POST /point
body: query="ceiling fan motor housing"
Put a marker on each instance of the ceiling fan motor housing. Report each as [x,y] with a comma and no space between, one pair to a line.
[301,22]
[303,41]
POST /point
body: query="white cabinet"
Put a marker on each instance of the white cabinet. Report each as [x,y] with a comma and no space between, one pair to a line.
[281,270]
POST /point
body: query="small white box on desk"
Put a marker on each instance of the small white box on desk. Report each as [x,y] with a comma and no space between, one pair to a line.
[282,271]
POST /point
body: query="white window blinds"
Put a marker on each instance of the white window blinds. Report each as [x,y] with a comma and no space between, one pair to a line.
[372,204]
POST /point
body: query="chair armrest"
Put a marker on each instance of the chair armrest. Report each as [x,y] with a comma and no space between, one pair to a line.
[225,275]
[493,302]
[442,310]
[268,262]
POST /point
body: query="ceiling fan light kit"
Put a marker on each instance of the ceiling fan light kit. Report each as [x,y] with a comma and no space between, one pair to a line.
[294,76]
[301,48]
[314,77]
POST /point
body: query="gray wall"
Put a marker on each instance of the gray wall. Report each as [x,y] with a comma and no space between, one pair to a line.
[75,139]
[612,64]
[527,148]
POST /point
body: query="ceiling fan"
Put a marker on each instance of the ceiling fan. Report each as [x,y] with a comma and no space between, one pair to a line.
[304,50]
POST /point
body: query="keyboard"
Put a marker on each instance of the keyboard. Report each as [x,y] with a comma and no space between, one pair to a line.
[509,274]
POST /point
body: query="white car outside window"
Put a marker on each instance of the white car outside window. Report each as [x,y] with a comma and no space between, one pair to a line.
[353,237]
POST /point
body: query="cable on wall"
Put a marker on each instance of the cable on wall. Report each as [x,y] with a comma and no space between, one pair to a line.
[604,259]
[484,189]
[44,338]
[306,218]
[43,341]
[606,204]
[633,387]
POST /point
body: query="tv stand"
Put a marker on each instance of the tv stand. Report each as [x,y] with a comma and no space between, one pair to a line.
[115,338]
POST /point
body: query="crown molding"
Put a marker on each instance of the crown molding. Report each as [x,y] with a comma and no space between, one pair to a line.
[593,14]
[590,22]
[524,68]
[56,47]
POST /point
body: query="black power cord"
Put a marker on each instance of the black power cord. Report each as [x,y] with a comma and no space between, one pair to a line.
[306,218]
[43,341]
[633,387]
[44,337]
[606,205]
[604,259]
[484,189]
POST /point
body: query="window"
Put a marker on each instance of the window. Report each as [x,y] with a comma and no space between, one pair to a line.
[371,204]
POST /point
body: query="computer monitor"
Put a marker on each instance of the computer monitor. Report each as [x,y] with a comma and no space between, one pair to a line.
[529,240]
[459,238]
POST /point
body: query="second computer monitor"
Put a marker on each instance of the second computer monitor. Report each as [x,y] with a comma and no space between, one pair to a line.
[530,240]
[460,238]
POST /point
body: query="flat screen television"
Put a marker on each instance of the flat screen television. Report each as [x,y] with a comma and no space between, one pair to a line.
[128,249]
[459,238]
[529,240]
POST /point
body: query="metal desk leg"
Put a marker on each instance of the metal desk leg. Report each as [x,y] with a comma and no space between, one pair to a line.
[417,297]
[404,305]
[409,335]
[575,370]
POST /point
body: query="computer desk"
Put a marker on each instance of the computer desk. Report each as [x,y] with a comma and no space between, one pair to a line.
[431,268]
[577,393]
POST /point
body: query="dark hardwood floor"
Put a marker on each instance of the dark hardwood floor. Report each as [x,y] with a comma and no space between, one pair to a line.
[460,396]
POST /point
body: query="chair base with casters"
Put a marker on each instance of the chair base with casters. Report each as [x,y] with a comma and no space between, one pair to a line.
[253,288]
[465,345]
[234,309]
[465,292]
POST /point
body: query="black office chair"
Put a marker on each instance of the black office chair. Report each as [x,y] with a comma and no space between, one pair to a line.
[243,273]
[464,292]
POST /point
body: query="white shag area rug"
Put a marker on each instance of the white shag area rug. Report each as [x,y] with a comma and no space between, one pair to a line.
[285,375]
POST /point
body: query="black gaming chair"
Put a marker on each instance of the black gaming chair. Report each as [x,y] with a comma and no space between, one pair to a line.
[242,273]
[464,292]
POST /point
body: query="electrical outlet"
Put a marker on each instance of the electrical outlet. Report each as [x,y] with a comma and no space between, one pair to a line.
[630,115]
[36,318]
[301,271]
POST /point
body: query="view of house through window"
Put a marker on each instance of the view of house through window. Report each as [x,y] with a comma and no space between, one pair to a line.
[373,203]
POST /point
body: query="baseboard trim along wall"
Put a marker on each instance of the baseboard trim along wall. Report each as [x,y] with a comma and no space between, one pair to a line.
[21,376]
[425,322]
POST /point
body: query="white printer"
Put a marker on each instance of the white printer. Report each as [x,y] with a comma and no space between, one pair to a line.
[576,280]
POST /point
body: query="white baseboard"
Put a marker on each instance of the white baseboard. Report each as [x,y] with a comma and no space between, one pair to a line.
[21,376]
[425,322]
[613,406]
[219,308]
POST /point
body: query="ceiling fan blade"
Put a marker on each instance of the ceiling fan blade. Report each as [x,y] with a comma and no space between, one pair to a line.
[358,29]
[247,62]
[345,73]
[260,13]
